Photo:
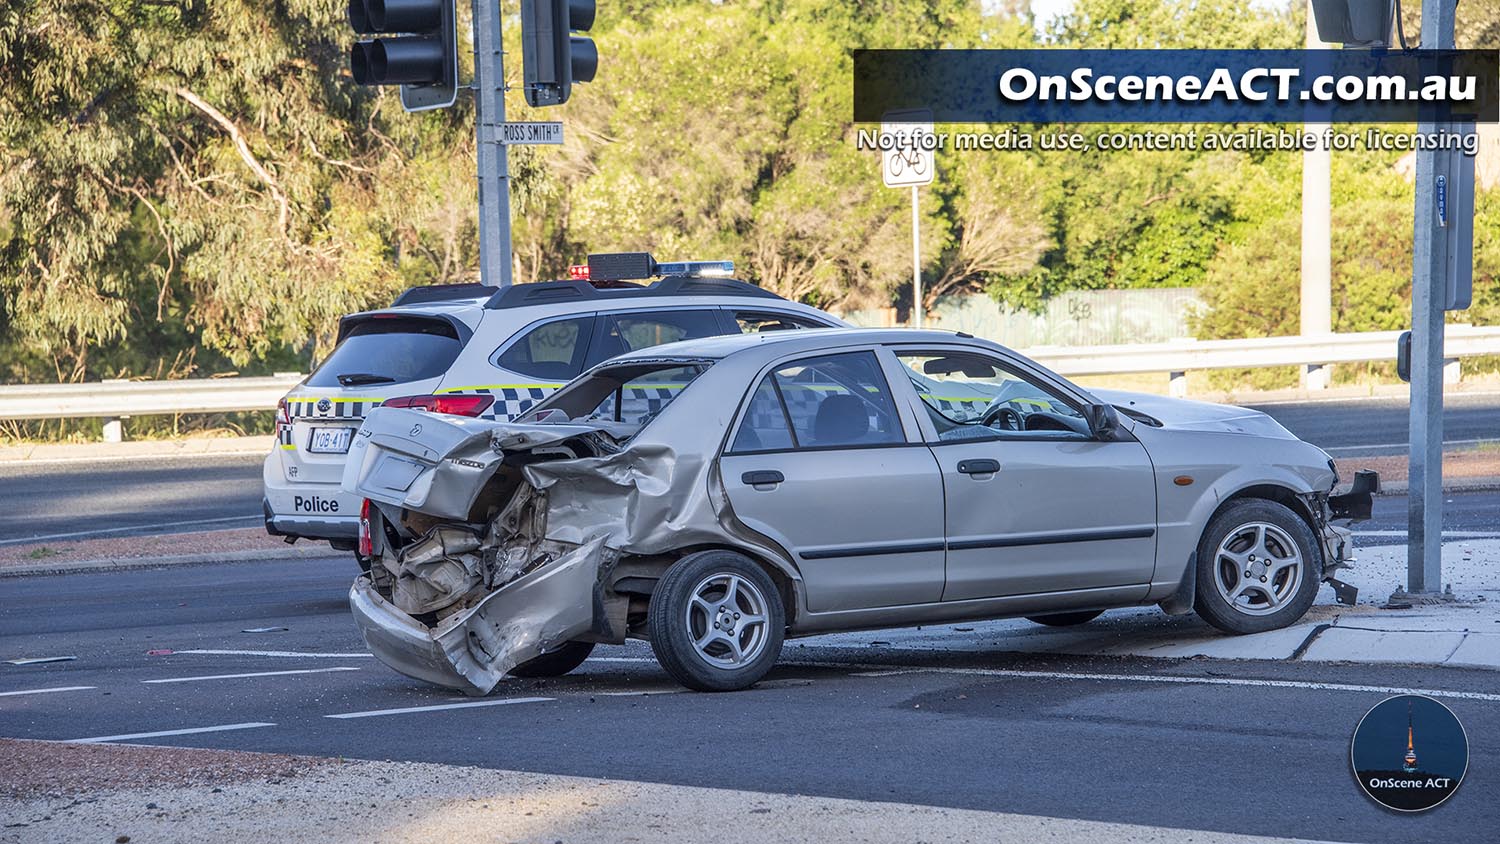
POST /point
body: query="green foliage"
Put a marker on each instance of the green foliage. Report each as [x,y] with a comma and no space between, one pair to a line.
[194,187]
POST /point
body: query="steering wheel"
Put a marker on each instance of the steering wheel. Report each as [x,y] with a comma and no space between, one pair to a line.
[1007,417]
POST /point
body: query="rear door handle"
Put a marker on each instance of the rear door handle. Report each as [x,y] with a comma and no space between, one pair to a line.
[762,477]
[981,466]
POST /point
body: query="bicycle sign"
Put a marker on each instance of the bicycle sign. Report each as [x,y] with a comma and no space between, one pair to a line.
[908,162]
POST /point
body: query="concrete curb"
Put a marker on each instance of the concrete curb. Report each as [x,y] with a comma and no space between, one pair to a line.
[1479,484]
[310,552]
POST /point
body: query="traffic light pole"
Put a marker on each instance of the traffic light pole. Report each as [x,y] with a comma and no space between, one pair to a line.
[1424,538]
[494,167]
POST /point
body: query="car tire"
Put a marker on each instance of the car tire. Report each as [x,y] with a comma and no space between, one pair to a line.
[1066,619]
[708,588]
[557,663]
[1259,567]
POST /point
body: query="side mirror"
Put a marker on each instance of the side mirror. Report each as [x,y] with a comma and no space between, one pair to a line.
[1103,421]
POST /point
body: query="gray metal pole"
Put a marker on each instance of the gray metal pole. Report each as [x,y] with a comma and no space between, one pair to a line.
[494,167]
[1424,542]
[1317,248]
[916,258]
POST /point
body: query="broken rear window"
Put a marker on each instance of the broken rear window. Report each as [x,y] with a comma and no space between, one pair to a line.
[632,394]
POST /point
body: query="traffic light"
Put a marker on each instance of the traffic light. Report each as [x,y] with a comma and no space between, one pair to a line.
[1354,23]
[553,57]
[419,50]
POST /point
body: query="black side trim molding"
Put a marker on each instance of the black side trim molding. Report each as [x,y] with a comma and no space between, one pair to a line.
[869,550]
[1051,538]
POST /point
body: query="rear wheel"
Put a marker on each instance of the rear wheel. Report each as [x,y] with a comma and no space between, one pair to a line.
[1066,619]
[716,621]
[1258,568]
[557,663]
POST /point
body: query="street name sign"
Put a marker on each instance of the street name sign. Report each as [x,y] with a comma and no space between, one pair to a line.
[547,132]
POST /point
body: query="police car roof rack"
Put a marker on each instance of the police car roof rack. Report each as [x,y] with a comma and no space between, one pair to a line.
[605,278]
[441,293]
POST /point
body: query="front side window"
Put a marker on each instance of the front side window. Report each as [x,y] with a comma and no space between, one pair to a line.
[833,401]
[553,351]
[969,396]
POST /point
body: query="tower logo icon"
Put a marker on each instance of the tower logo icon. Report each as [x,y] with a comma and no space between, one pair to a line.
[1398,777]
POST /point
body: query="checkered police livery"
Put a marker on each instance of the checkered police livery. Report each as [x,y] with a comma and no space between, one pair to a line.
[516,345]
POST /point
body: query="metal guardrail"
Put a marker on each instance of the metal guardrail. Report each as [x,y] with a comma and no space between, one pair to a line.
[115,400]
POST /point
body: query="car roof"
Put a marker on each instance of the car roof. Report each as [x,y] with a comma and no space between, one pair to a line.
[714,348]
[472,309]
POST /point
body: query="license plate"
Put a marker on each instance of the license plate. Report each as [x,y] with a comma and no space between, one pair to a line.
[330,440]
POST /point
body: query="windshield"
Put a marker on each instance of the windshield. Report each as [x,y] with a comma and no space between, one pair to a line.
[389,350]
[632,394]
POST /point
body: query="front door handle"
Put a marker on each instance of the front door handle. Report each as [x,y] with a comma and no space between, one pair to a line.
[762,477]
[980,466]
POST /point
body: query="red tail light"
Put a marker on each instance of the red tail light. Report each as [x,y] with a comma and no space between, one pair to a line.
[457,404]
[366,544]
[283,414]
[579,271]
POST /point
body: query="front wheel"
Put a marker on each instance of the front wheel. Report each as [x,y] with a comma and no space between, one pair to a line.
[716,621]
[1258,568]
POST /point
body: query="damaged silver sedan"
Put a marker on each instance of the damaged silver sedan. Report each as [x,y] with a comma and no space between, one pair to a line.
[716,496]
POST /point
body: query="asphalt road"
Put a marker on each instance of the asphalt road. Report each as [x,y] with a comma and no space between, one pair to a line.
[113,498]
[1357,427]
[1152,742]
[77,500]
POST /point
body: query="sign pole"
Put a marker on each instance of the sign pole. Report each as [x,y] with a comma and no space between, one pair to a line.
[1424,537]
[916,259]
[494,165]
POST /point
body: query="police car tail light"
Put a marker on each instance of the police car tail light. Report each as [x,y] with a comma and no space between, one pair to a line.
[283,415]
[366,544]
[457,405]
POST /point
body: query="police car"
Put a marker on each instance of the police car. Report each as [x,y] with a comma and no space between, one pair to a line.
[473,350]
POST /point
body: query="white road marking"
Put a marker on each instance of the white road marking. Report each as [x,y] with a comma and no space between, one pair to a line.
[639,693]
[1188,681]
[45,691]
[441,706]
[136,529]
[253,674]
[29,462]
[36,660]
[620,659]
[190,731]
[273,653]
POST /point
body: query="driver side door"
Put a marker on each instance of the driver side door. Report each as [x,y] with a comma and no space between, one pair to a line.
[1034,503]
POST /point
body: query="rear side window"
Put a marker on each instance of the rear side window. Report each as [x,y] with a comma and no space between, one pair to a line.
[834,401]
[627,332]
[757,322]
[554,351]
[389,350]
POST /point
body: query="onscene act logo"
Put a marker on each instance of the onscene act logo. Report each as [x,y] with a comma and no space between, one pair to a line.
[1409,753]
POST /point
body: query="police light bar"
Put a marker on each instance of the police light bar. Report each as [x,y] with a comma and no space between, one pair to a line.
[579,271]
[619,266]
[714,269]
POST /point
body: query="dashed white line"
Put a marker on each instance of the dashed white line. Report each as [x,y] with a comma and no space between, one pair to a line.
[620,659]
[1163,678]
[252,674]
[286,654]
[162,733]
[441,706]
[46,691]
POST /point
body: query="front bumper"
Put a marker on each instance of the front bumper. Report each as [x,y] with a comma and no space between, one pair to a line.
[473,649]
